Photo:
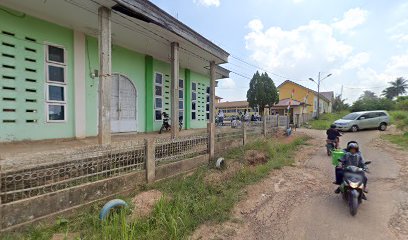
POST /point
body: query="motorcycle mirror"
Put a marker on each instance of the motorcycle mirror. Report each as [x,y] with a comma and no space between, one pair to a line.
[368,162]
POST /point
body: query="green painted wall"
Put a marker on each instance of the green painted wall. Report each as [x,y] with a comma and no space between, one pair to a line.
[22,92]
[124,61]
[202,83]
[149,89]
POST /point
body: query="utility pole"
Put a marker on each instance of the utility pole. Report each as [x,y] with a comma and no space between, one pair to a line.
[319,80]
[318,97]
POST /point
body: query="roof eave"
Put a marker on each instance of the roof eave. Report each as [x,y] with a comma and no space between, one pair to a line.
[168,22]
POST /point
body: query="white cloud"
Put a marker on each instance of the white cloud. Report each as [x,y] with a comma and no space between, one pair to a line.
[351,19]
[255,25]
[310,46]
[356,61]
[227,83]
[208,3]
[399,32]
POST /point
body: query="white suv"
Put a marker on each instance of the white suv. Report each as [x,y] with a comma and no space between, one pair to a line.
[363,120]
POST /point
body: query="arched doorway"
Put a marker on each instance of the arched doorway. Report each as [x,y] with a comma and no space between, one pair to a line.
[123,104]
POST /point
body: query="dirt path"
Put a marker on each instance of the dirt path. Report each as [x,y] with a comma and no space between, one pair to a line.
[299,203]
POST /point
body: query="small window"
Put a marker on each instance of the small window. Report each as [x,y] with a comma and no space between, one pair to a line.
[158,103]
[193,96]
[56,112]
[56,54]
[181,84]
[181,94]
[56,73]
[193,86]
[158,115]
[159,78]
[158,100]
[158,91]
[56,93]
[181,105]
[193,106]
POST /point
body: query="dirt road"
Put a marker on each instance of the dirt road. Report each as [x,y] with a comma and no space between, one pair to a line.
[299,203]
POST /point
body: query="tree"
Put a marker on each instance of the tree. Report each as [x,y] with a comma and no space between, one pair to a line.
[400,86]
[397,88]
[368,95]
[262,92]
[368,101]
[339,104]
[389,93]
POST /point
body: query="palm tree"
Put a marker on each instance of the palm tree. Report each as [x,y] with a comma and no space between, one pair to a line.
[400,86]
[389,93]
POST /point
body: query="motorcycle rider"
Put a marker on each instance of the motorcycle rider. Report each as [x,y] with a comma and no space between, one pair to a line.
[333,135]
[353,157]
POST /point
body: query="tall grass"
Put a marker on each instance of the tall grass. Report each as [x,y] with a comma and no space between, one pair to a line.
[326,119]
[400,119]
[189,201]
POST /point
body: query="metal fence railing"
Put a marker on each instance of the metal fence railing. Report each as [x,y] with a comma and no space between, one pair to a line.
[76,168]
[167,149]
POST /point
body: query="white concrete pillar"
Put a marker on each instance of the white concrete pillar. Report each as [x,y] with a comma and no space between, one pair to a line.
[174,89]
[79,84]
[105,72]
[212,91]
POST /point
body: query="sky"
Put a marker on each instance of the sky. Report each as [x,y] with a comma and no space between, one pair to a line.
[363,44]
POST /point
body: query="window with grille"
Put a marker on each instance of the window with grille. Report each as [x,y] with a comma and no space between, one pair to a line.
[193,100]
[158,96]
[56,83]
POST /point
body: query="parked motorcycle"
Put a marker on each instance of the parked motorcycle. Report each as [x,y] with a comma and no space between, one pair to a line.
[180,123]
[353,186]
[165,125]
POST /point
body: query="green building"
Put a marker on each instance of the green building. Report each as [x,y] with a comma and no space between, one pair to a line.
[54,55]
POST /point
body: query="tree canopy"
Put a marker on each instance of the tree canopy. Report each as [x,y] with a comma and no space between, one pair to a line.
[397,88]
[262,92]
[339,104]
[368,101]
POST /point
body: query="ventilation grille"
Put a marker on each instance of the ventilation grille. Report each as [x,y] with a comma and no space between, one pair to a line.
[19,78]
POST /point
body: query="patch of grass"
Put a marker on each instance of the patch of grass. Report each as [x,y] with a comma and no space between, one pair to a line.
[400,139]
[400,119]
[192,201]
[326,119]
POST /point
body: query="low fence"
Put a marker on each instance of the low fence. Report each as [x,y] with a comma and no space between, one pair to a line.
[94,173]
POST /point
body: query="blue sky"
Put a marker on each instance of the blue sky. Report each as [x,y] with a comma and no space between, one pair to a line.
[364,44]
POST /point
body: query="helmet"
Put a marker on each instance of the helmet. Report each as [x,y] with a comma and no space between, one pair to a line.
[352,145]
[333,126]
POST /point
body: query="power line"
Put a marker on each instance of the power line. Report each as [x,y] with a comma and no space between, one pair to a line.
[166,42]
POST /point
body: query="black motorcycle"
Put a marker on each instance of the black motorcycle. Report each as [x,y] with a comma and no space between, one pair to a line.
[352,187]
[165,125]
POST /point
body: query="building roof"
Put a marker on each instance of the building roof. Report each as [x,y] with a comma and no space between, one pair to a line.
[328,95]
[150,13]
[233,104]
[217,97]
[321,94]
[285,103]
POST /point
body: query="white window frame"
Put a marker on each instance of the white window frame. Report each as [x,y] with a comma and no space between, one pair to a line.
[55,65]
[181,99]
[54,83]
[157,96]
[195,101]
[56,104]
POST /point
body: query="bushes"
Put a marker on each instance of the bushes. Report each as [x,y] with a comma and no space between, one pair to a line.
[400,119]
